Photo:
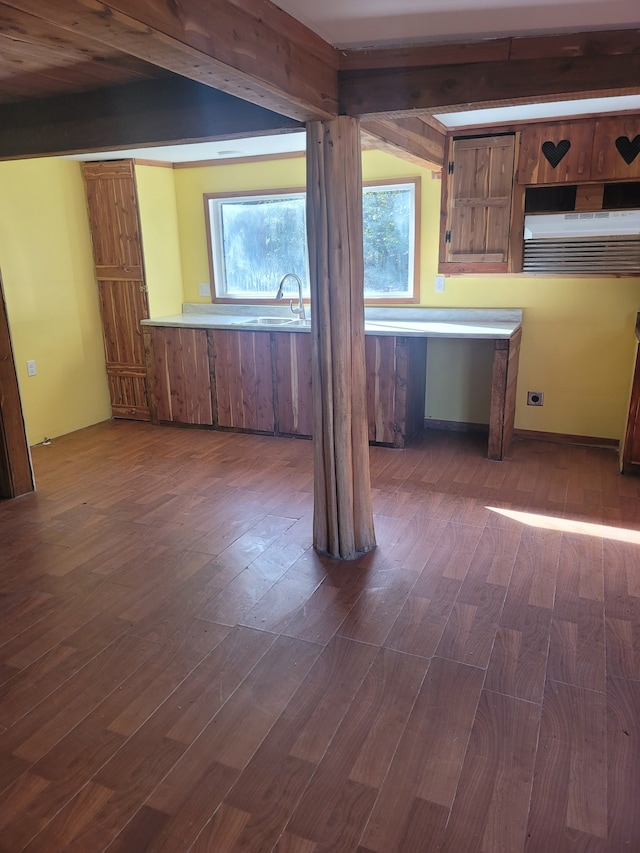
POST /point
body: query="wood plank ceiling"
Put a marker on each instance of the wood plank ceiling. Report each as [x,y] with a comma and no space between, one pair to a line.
[88,75]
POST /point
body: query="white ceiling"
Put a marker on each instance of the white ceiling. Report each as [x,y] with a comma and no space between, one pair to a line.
[553,110]
[359,23]
[226,149]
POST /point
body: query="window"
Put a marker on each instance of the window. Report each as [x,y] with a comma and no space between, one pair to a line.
[255,238]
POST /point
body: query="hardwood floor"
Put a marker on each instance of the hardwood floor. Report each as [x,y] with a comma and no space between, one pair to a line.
[179,671]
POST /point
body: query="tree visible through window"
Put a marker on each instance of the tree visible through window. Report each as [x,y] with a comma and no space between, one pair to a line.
[387,222]
[255,239]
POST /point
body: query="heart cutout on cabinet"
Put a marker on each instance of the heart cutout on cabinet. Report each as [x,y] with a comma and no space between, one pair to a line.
[628,148]
[554,153]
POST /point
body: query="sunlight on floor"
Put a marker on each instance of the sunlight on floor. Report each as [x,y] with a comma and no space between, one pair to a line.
[568,525]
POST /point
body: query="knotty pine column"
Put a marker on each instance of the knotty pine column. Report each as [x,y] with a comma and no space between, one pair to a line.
[343,517]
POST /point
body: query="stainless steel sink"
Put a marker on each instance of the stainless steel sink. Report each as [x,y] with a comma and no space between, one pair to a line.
[264,321]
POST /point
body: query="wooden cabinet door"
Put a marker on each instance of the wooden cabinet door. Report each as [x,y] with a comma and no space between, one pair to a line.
[179,376]
[243,380]
[117,253]
[477,199]
[294,401]
[396,369]
[616,149]
[380,367]
[556,153]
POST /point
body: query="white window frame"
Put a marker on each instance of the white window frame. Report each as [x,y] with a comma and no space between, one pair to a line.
[213,203]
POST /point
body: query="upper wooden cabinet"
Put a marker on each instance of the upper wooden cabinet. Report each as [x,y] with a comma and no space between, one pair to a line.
[604,149]
[555,153]
[477,205]
[616,149]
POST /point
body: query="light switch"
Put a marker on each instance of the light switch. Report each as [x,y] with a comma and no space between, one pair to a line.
[31,368]
[204,289]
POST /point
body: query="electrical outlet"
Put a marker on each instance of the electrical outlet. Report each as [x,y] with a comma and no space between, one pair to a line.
[439,284]
[535,398]
[204,289]
[31,368]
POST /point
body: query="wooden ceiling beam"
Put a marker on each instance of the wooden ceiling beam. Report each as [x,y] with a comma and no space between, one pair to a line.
[401,92]
[246,48]
[411,138]
[154,112]
[608,43]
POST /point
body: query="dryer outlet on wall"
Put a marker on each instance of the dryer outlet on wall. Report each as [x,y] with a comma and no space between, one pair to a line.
[535,398]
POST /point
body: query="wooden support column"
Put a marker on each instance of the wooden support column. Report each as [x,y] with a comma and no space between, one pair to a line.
[343,517]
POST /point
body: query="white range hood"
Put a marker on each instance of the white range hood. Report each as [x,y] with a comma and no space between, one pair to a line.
[599,243]
[601,223]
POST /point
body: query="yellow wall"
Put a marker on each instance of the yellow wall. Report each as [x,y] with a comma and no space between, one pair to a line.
[161,247]
[52,301]
[577,339]
[577,343]
[192,183]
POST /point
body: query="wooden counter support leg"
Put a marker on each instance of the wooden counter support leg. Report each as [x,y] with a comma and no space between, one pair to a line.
[506,356]
[343,517]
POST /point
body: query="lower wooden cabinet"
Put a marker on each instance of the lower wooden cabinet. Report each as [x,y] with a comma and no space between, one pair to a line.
[294,400]
[396,378]
[243,378]
[261,381]
[178,375]
[380,367]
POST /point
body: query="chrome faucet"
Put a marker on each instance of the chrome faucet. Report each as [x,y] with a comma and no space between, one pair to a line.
[300,308]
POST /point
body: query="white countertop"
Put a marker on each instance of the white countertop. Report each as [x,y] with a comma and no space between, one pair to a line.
[472,323]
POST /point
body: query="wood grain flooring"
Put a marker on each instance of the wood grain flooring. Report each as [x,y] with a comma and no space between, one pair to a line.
[180,671]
